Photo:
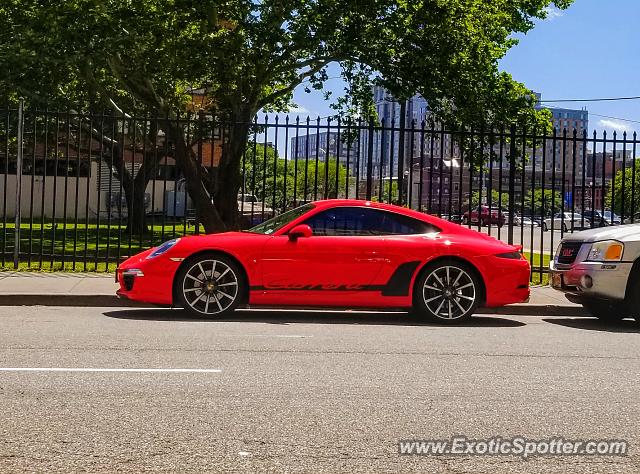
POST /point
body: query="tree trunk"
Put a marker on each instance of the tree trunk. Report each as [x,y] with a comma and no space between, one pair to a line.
[207,214]
[214,192]
[134,187]
[228,178]
[136,210]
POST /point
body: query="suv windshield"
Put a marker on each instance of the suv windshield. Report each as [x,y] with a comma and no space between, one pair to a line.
[275,223]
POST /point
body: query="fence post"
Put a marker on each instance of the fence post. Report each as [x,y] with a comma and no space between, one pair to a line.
[199,165]
[20,137]
[512,184]
[401,151]
[369,160]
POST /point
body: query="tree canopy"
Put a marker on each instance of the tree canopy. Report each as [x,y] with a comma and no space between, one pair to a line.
[623,193]
[245,55]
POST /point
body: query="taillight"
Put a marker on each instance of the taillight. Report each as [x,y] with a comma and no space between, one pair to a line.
[510,255]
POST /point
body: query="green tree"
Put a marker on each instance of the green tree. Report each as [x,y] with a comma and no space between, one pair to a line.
[539,199]
[620,196]
[267,175]
[145,56]
[495,199]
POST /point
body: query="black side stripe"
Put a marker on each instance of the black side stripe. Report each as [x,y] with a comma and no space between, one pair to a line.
[397,285]
[321,288]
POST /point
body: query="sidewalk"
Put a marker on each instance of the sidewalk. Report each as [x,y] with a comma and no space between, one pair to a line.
[98,289]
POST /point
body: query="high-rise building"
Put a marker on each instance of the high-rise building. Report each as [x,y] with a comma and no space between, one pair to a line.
[564,150]
[431,171]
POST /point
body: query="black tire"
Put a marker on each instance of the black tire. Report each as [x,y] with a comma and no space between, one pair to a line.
[216,282]
[544,227]
[633,295]
[447,292]
[564,228]
[610,311]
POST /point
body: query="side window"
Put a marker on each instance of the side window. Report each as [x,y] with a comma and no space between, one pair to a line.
[397,224]
[344,221]
[353,221]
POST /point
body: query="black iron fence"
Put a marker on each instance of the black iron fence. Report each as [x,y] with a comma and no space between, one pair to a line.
[81,191]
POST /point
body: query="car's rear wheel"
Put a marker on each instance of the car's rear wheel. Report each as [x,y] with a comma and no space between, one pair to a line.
[210,285]
[447,292]
[545,228]
[606,310]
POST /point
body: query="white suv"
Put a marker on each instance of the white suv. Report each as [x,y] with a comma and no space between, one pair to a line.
[600,269]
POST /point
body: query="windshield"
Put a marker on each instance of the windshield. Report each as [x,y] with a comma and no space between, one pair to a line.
[275,223]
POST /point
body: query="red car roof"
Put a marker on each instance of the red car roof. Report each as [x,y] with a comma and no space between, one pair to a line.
[443,224]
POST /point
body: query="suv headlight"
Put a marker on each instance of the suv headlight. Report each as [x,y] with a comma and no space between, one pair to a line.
[162,248]
[606,251]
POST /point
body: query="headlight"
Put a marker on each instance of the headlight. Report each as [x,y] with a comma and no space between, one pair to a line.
[606,251]
[162,248]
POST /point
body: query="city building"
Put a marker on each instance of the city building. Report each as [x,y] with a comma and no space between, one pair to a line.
[563,152]
[623,159]
[334,144]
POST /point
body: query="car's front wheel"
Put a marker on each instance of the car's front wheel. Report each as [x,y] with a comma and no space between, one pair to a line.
[210,285]
[447,292]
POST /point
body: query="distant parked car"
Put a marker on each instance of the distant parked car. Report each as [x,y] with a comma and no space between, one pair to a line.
[596,217]
[455,218]
[251,210]
[528,221]
[565,221]
[484,217]
[635,219]
[612,218]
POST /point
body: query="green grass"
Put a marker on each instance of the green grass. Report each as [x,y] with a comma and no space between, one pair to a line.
[539,265]
[95,248]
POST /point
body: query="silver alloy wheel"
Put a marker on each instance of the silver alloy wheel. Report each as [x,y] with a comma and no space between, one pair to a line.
[210,286]
[449,292]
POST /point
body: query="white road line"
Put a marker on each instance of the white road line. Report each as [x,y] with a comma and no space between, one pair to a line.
[92,369]
[293,336]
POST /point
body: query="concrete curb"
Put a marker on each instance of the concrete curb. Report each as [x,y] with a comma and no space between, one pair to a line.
[536,310]
[68,300]
[111,301]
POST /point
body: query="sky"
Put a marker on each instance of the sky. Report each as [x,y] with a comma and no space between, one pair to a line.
[588,51]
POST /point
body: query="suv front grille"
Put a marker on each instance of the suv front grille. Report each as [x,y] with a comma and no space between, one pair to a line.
[568,252]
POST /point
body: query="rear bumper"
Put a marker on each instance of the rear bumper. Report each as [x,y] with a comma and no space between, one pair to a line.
[507,283]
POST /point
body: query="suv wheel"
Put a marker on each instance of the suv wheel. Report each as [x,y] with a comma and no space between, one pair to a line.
[606,310]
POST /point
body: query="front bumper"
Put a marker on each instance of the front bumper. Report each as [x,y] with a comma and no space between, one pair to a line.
[591,279]
[149,281]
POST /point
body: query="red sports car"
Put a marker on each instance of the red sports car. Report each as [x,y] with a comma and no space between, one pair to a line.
[334,253]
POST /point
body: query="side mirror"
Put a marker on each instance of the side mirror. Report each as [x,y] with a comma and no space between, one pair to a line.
[302,230]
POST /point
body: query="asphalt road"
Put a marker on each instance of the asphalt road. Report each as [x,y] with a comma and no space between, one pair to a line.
[306,392]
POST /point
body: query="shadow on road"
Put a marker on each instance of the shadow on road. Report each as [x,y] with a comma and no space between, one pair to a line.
[305,317]
[594,324]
